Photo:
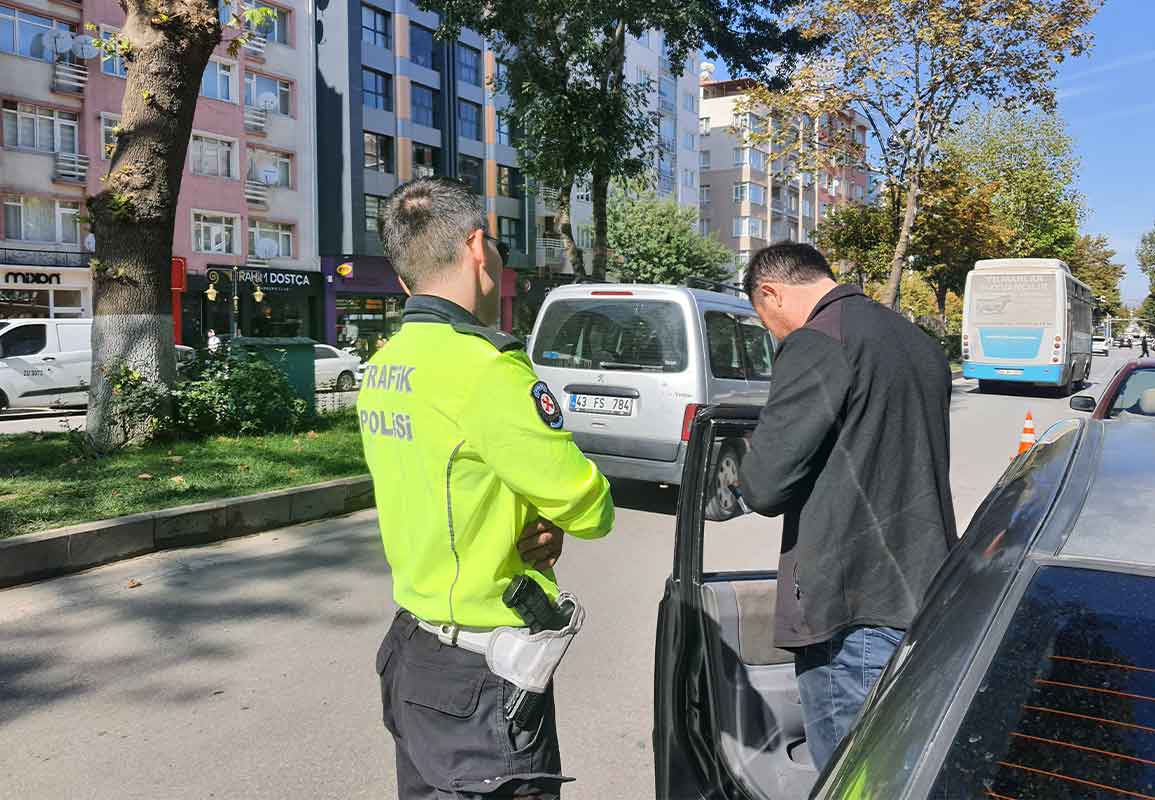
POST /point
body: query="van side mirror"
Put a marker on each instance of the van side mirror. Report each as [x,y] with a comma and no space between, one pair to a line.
[1083,402]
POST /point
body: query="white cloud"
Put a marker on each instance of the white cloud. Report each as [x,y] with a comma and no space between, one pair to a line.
[1110,66]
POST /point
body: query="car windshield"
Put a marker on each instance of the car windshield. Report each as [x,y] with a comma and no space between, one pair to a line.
[626,335]
[1136,396]
[1067,706]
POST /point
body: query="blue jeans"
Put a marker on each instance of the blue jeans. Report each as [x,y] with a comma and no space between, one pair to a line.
[834,678]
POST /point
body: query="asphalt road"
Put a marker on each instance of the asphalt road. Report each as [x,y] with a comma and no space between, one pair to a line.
[245,670]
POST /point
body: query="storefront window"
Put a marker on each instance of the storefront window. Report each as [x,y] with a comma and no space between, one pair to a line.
[21,304]
[366,322]
[280,315]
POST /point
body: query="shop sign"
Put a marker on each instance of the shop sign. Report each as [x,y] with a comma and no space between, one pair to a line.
[43,278]
[266,279]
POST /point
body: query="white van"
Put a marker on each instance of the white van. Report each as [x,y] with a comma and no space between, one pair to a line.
[631,364]
[45,362]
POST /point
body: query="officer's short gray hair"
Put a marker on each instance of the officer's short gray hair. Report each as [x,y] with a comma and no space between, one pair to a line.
[425,224]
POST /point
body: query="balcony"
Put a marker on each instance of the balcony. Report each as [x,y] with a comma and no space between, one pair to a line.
[69,78]
[256,193]
[258,263]
[256,120]
[550,249]
[547,197]
[255,45]
[71,168]
[17,256]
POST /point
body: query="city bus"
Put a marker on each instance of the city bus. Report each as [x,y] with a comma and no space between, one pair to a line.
[1026,320]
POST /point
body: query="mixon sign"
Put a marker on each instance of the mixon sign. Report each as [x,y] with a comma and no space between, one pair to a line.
[42,278]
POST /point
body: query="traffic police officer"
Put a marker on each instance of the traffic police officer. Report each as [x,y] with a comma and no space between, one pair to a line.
[475,480]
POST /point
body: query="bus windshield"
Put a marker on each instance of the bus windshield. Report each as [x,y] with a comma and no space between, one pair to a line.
[1025,300]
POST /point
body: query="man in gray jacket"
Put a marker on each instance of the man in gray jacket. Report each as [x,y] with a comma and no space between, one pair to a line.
[853,448]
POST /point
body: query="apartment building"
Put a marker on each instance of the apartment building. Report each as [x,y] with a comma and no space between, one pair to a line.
[247,208]
[750,197]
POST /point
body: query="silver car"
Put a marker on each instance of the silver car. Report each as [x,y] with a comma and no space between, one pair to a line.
[632,364]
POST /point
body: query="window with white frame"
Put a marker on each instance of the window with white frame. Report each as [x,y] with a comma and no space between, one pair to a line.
[754,192]
[211,156]
[741,156]
[112,65]
[258,87]
[703,227]
[704,159]
[36,128]
[689,178]
[758,160]
[689,141]
[704,125]
[585,237]
[217,82]
[704,195]
[276,29]
[584,191]
[270,167]
[22,33]
[754,227]
[806,208]
[109,124]
[215,233]
[41,219]
[689,101]
[277,232]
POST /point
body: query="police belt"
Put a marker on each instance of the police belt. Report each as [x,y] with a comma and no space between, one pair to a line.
[527,660]
[475,640]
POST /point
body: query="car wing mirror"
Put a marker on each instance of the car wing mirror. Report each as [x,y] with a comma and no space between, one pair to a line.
[1083,402]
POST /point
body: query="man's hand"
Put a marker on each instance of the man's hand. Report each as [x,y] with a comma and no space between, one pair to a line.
[540,544]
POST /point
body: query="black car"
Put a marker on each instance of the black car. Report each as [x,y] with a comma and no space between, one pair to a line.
[1028,673]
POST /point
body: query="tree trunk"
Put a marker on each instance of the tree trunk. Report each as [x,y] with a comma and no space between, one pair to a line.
[133,216]
[898,262]
[601,191]
[573,253]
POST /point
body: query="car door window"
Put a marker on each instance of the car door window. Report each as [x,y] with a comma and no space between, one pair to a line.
[25,340]
[759,348]
[1065,708]
[1131,394]
[320,352]
[724,346]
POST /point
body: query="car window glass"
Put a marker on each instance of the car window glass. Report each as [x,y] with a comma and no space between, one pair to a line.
[1135,395]
[759,348]
[74,337]
[622,335]
[26,340]
[323,352]
[1065,709]
[722,342]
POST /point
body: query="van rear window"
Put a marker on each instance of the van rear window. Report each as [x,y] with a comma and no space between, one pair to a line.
[1067,707]
[626,335]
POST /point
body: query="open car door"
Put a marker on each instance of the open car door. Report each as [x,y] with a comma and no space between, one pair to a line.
[727,717]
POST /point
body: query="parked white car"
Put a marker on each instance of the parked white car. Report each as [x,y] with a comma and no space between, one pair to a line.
[335,369]
[45,362]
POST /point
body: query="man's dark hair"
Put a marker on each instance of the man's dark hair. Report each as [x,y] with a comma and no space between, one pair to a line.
[425,224]
[786,262]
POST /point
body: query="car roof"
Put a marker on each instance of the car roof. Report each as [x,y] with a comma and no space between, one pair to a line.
[646,291]
[1117,518]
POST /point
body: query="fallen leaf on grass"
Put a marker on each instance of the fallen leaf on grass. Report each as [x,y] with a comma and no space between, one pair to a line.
[311,435]
[242,467]
[134,583]
[178,480]
[144,476]
[116,493]
[174,459]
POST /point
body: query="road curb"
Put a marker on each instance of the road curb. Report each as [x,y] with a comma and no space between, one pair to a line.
[36,556]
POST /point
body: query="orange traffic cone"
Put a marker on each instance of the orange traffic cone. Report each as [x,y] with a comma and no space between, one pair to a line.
[1028,439]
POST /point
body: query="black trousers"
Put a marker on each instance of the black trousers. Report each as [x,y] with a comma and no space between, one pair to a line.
[445,710]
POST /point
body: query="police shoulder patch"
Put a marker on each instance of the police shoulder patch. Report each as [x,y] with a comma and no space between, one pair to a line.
[503,341]
[547,406]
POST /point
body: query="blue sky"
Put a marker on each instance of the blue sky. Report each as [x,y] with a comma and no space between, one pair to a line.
[1107,99]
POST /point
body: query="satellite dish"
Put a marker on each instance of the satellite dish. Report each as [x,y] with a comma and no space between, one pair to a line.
[84,47]
[57,42]
[268,101]
[90,242]
[267,248]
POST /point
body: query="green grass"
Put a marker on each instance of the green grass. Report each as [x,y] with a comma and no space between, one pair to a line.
[46,482]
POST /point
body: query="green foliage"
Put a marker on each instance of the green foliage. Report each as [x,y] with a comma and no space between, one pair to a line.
[657,241]
[239,394]
[858,240]
[1091,262]
[1145,254]
[1147,310]
[1029,160]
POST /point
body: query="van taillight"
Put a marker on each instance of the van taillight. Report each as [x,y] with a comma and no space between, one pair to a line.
[688,420]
